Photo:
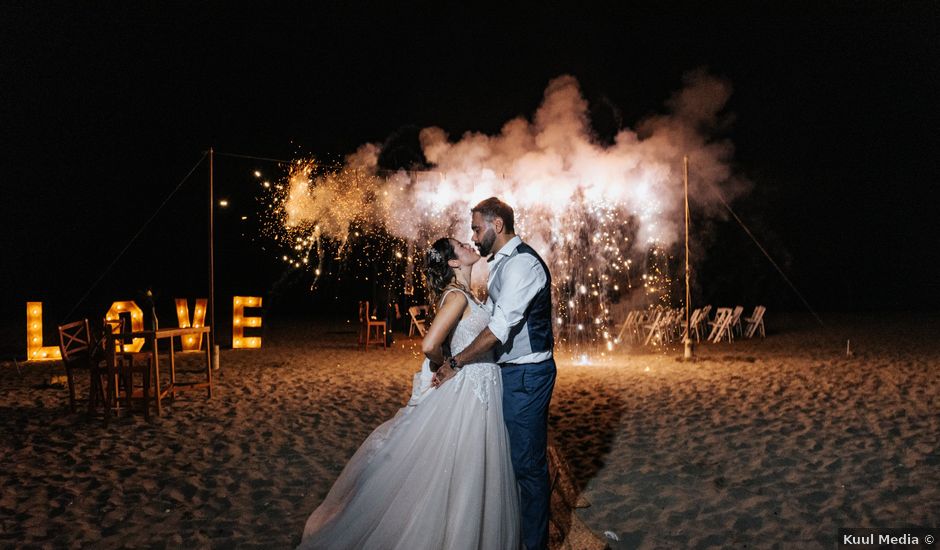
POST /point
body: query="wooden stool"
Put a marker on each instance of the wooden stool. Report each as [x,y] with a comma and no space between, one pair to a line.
[372,332]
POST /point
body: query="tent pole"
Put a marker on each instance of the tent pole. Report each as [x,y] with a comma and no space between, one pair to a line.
[212,331]
[688,289]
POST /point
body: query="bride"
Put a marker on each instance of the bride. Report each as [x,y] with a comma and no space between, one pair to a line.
[438,474]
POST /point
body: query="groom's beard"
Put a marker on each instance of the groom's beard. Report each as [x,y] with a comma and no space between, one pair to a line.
[485,246]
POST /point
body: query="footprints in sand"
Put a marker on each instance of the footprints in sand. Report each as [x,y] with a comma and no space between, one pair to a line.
[779,442]
[738,452]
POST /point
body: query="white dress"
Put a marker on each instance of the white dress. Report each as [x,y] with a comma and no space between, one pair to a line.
[437,475]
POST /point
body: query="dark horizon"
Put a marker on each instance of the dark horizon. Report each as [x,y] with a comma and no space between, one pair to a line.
[834,122]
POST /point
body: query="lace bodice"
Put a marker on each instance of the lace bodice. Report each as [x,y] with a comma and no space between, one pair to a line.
[482,374]
[469,327]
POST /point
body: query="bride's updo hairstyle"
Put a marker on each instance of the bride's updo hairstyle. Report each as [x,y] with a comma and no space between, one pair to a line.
[437,273]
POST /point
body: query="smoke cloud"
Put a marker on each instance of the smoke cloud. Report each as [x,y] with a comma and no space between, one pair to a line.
[587,206]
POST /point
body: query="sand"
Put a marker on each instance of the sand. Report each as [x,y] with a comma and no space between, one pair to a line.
[766,443]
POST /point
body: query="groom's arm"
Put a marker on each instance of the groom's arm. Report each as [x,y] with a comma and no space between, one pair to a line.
[483,343]
[479,346]
[522,278]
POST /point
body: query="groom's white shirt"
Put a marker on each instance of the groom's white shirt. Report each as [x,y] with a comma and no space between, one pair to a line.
[525,276]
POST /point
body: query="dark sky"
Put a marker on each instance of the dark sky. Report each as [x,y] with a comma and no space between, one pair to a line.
[104,109]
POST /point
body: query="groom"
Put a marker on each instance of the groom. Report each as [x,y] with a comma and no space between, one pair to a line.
[520,330]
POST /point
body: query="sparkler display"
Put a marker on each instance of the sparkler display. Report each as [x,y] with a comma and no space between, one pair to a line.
[604,217]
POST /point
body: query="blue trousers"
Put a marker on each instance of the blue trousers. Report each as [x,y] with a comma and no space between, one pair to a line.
[527,390]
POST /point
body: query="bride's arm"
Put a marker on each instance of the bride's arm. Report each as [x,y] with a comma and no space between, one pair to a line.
[444,322]
[480,345]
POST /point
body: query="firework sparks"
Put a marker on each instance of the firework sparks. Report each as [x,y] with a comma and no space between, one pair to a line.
[590,209]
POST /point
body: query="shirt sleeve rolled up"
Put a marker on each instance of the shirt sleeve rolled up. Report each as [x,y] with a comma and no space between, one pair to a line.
[522,278]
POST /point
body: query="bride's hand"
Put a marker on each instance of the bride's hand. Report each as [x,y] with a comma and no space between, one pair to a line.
[443,374]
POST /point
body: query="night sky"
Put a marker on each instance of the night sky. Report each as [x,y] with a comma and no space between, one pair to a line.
[103,111]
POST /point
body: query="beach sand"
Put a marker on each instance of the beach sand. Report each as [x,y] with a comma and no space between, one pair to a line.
[760,443]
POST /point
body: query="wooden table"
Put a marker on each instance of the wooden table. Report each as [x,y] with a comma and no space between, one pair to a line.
[154,337]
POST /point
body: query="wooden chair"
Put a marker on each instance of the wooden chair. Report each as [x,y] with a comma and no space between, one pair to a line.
[77,347]
[124,365]
[371,331]
[418,316]
[755,322]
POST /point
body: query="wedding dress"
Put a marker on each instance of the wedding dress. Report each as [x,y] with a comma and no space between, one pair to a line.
[437,475]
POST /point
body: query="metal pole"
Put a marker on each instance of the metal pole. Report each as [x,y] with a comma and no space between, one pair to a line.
[688,271]
[212,349]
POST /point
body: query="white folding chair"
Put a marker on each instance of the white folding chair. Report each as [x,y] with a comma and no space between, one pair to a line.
[755,322]
[677,324]
[704,320]
[654,327]
[626,327]
[418,315]
[721,326]
[736,320]
[636,327]
[694,321]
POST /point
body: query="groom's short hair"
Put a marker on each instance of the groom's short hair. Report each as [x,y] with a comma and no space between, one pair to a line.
[493,207]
